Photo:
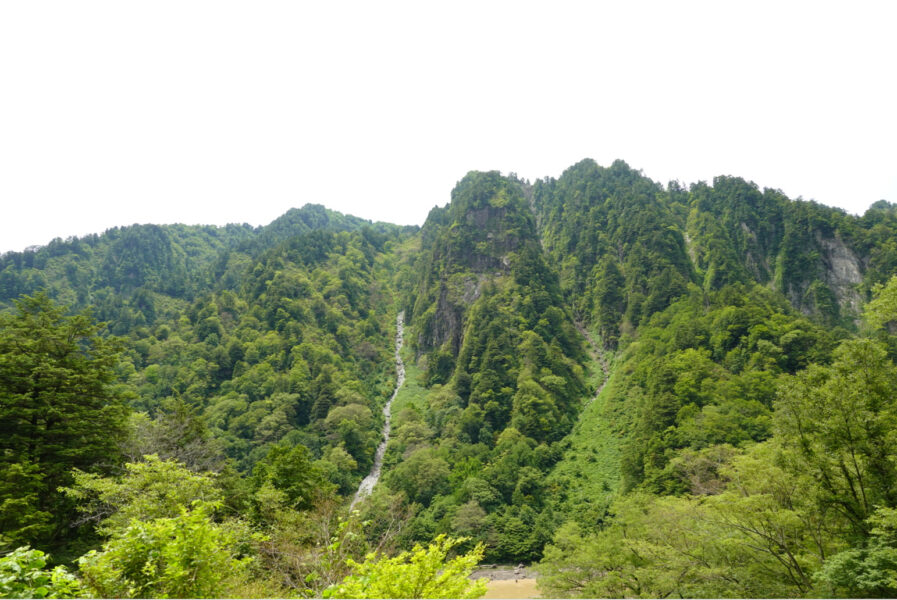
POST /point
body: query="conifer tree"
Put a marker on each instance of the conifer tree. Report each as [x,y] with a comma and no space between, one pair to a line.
[58,410]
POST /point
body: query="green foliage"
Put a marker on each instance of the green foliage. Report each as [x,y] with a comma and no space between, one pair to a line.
[731,232]
[703,373]
[23,574]
[420,573]
[868,571]
[882,309]
[304,553]
[147,490]
[237,338]
[314,217]
[806,251]
[177,433]
[290,473]
[810,511]
[306,334]
[587,476]
[130,273]
[187,556]
[504,366]
[59,410]
[840,420]
[351,427]
[610,302]
[761,537]
[732,450]
[421,476]
[627,258]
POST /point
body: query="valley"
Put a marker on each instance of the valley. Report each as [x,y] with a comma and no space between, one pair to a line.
[637,389]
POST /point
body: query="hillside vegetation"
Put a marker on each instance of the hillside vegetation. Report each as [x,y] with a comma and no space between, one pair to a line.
[229,401]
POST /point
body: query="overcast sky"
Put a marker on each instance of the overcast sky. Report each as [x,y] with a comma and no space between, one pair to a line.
[120,112]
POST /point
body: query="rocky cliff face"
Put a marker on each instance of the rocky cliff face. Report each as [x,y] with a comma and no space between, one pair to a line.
[829,287]
[842,273]
[808,252]
[447,322]
[486,225]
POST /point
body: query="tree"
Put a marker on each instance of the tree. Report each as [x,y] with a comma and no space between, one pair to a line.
[422,476]
[838,421]
[869,570]
[58,410]
[762,537]
[178,432]
[293,474]
[148,490]
[187,556]
[420,573]
[611,303]
[352,426]
[882,309]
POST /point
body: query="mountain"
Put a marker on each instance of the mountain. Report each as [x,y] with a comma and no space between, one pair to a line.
[588,357]
[126,271]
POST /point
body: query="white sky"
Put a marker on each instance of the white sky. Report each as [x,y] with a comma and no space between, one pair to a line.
[160,111]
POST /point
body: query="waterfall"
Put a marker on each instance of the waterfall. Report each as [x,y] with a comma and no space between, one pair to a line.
[368,483]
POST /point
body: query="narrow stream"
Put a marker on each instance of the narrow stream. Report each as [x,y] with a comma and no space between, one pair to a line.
[368,483]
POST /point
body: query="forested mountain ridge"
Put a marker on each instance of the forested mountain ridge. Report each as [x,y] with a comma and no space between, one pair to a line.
[123,272]
[264,355]
[613,231]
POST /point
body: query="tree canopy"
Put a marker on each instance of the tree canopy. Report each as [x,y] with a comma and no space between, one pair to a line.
[59,410]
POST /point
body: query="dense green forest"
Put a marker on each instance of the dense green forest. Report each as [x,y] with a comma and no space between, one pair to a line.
[643,390]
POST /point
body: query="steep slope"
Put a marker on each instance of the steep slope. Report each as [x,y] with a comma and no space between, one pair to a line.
[239,338]
[617,238]
[627,246]
[810,253]
[503,363]
[299,354]
[367,484]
